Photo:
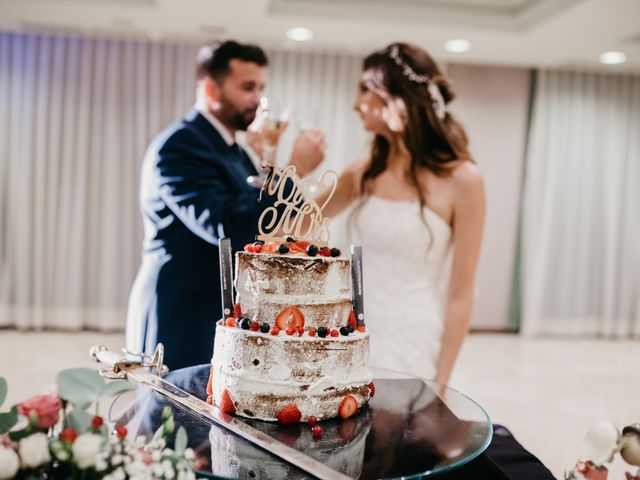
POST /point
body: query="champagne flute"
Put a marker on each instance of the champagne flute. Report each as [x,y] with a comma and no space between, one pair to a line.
[275,117]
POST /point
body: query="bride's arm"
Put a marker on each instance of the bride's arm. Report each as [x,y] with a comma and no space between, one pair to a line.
[468,222]
[347,190]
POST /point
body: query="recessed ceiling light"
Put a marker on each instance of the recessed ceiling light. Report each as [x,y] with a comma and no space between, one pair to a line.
[457,45]
[299,34]
[611,58]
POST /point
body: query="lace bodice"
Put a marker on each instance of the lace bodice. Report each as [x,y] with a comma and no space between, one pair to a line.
[405,263]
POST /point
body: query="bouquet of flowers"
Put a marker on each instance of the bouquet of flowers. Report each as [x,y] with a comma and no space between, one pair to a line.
[55,437]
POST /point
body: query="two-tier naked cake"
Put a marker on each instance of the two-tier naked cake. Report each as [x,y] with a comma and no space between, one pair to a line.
[291,350]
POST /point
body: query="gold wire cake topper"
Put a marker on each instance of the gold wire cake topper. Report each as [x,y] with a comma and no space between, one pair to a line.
[301,217]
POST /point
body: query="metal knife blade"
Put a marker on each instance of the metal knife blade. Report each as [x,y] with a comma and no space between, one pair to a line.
[358,290]
[226,277]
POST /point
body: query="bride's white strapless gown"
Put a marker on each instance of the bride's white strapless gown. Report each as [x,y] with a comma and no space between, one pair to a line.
[406,271]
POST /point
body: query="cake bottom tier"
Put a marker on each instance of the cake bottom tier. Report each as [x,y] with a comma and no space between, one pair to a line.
[263,373]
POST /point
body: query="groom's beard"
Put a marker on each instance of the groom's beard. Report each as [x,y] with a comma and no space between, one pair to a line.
[234,117]
[241,121]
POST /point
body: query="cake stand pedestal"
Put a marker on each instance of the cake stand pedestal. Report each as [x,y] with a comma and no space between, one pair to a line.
[411,429]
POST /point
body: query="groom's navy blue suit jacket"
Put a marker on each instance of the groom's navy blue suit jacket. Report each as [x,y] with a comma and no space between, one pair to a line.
[194,191]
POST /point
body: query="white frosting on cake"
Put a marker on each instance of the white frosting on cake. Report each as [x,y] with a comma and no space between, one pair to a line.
[261,372]
[319,286]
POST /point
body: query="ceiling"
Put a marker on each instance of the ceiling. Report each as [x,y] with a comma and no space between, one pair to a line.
[543,33]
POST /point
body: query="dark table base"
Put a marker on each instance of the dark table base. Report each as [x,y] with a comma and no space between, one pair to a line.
[504,458]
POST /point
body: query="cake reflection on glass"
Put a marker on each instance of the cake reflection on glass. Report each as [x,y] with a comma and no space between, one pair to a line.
[341,447]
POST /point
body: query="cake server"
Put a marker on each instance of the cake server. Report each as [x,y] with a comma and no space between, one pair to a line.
[148,374]
[226,277]
[358,291]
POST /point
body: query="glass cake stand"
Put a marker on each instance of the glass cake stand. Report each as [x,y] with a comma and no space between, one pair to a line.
[411,429]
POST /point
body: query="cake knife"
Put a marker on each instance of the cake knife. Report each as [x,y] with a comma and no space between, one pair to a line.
[226,277]
[356,277]
[137,371]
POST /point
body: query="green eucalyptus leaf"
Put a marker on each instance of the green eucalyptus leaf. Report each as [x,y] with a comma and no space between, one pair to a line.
[181,441]
[114,388]
[79,420]
[7,421]
[169,426]
[158,434]
[167,413]
[80,386]
[3,390]
[17,435]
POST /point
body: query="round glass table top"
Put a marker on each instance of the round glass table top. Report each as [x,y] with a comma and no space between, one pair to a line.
[412,428]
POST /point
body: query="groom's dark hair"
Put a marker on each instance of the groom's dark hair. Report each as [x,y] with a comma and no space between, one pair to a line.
[213,60]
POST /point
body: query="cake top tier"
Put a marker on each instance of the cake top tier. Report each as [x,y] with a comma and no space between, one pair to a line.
[318,287]
[318,279]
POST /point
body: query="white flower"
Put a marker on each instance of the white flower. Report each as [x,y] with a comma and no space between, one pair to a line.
[189,454]
[157,470]
[169,472]
[101,465]
[119,474]
[85,450]
[9,463]
[34,450]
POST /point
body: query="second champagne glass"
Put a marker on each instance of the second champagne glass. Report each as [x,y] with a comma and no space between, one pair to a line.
[275,116]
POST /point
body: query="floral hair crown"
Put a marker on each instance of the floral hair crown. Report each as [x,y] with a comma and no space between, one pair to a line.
[434,92]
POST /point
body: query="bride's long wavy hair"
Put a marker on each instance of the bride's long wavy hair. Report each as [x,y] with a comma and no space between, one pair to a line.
[433,137]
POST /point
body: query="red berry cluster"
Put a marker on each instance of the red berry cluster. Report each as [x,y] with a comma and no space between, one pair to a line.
[238,320]
[292,246]
[290,320]
[316,430]
[255,247]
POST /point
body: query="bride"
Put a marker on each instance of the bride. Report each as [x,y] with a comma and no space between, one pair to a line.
[417,198]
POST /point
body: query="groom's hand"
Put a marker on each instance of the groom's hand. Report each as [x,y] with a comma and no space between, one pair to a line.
[308,152]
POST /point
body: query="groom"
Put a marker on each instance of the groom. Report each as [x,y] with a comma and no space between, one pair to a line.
[194,191]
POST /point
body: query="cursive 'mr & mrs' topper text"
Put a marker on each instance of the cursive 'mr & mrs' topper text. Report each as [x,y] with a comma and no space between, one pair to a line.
[295,212]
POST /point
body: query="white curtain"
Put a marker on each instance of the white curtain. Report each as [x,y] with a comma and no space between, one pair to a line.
[76,115]
[581,217]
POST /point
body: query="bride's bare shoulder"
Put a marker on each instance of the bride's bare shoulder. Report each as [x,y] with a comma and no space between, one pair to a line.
[466,174]
[467,185]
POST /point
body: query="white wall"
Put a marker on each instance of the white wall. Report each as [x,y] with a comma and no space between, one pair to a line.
[493,104]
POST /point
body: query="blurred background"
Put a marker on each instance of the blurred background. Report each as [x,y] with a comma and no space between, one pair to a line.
[548,90]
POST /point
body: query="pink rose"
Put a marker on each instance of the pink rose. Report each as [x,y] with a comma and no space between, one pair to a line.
[46,406]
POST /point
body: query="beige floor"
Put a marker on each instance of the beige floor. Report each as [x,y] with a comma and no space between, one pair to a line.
[548,392]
